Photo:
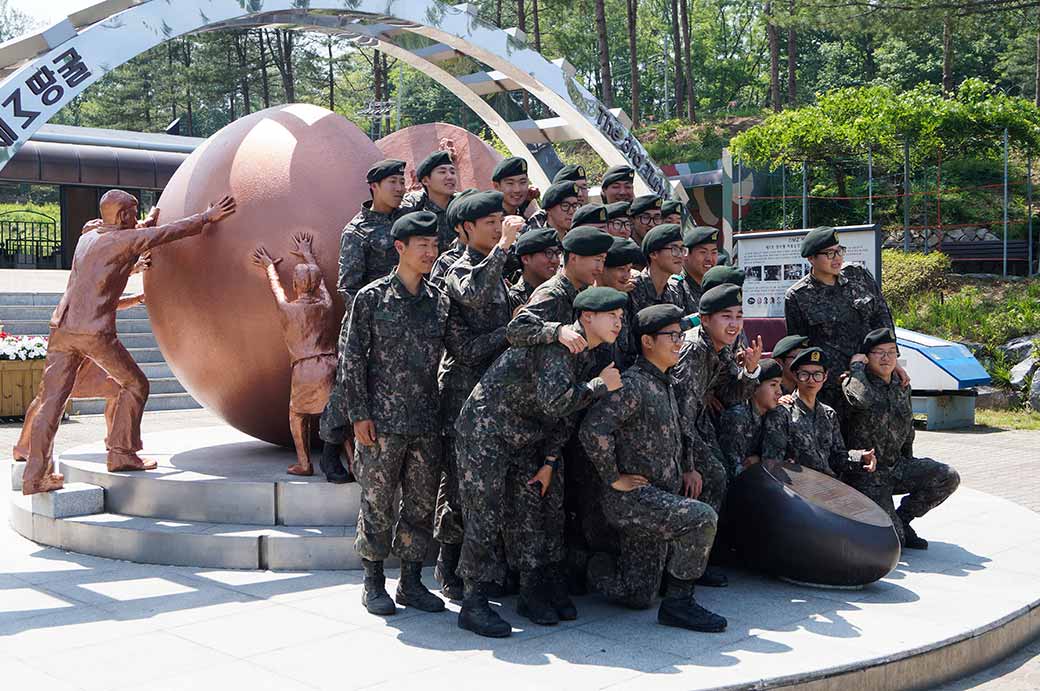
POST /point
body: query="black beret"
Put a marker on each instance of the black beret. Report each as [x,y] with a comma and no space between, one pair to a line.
[450,211]
[590,213]
[719,298]
[718,275]
[877,337]
[624,251]
[478,205]
[700,235]
[557,192]
[570,172]
[650,320]
[818,239]
[660,236]
[671,206]
[617,210]
[620,173]
[417,223]
[788,343]
[809,356]
[646,202]
[771,369]
[586,241]
[599,299]
[437,158]
[536,240]
[508,167]
[384,169]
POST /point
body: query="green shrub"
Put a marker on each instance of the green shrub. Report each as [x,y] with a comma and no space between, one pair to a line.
[908,274]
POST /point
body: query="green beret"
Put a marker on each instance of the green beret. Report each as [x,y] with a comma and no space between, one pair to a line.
[877,337]
[771,369]
[617,210]
[724,258]
[789,343]
[437,158]
[660,236]
[599,299]
[586,241]
[719,298]
[719,275]
[653,319]
[700,235]
[819,239]
[809,356]
[478,205]
[508,167]
[624,251]
[384,169]
[417,223]
[557,192]
[620,173]
[590,213]
[647,202]
[570,172]
[450,211]
[671,206]
[536,240]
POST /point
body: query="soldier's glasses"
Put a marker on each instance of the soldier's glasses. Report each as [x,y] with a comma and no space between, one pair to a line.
[649,219]
[838,251]
[569,206]
[806,376]
[885,354]
[552,252]
[620,224]
[678,251]
[675,336]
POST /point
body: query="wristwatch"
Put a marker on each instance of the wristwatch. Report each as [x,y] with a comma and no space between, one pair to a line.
[553,463]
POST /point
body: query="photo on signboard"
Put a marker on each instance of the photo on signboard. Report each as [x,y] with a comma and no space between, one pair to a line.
[792,272]
[774,272]
[752,273]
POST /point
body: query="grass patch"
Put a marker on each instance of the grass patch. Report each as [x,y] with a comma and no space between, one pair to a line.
[1008,419]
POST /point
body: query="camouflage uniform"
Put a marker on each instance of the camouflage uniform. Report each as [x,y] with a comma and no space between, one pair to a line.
[444,262]
[394,343]
[515,418]
[637,430]
[366,252]
[539,219]
[809,437]
[882,419]
[419,200]
[549,308]
[520,292]
[743,430]
[690,292]
[642,295]
[475,336]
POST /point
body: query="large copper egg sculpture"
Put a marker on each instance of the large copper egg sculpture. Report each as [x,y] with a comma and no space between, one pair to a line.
[474,158]
[291,168]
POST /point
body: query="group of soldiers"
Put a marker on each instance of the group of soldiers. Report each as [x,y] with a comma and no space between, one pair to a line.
[560,395]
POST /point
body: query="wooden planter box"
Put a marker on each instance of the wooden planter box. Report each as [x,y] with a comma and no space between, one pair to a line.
[19,381]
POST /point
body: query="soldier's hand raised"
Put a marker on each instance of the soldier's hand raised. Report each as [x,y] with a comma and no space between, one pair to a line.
[627,483]
[571,339]
[611,377]
[869,461]
[752,354]
[511,227]
[365,432]
[220,210]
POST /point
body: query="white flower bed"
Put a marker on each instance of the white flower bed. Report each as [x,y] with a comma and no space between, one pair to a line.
[23,348]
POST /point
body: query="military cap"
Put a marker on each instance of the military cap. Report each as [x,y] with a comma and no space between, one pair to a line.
[700,235]
[437,158]
[478,205]
[788,343]
[719,298]
[718,275]
[660,236]
[586,241]
[536,240]
[508,167]
[651,320]
[557,192]
[671,206]
[416,223]
[450,211]
[599,299]
[590,213]
[724,258]
[623,251]
[617,210]
[570,172]
[384,169]
[771,369]
[809,356]
[644,203]
[877,337]
[819,239]
[620,173]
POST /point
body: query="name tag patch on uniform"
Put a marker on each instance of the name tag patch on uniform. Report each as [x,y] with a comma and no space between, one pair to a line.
[384,316]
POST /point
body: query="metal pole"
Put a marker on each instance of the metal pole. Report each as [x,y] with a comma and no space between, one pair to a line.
[906,196]
[783,197]
[870,186]
[805,194]
[1029,208]
[1005,198]
[740,196]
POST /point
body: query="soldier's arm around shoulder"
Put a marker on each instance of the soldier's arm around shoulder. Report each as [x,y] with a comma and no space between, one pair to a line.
[474,286]
[534,324]
[557,389]
[602,420]
[356,353]
[857,389]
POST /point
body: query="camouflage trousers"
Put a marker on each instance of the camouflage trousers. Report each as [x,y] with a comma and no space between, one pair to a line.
[447,525]
[411,464]
[925,482]
[334,427]
[499,506]
[715,481]
[586,528]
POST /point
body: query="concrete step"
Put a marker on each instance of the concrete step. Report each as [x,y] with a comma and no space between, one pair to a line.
[163,385]
[155,370]
[138,340]
[158,401]
[41,327]
[146,354]
[43,313]
[28,299]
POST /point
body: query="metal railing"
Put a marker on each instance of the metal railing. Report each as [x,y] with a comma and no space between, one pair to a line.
[26,244]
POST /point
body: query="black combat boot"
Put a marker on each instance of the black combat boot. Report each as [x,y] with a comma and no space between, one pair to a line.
[680,609]
[332,467]
[477,616]
[374,596]
[532,601]
[412,593]
[446,572]
[713,577]
[559,598]
[911,540]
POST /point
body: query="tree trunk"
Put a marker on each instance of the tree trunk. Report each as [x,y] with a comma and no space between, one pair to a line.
[231,91]
[869,63]
[1036,85]
[947,48]
[332,81]
[498,13]
[604,55]
[537,26]
[774,60]
[377,96]
[386,92]
[265,83]
[633,58]
[680,75]
[241,52]
[521,16]
[282,54]
[691,95]
[792,62]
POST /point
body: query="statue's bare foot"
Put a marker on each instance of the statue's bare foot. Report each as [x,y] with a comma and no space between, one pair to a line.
[300,469]
[48,483]
[120,462]
[20,454]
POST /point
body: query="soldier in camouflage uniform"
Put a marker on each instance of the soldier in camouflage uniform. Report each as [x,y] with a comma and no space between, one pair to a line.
[618,223]
[539,252]
[617,274]
[807,430]
[510,178]
[576,174]
[784,352]
[394,341]
[743,424]
[644,213]
[671,211]
[617,184]
[439,179]
[634,439]
[664,252]
[366,252]
[457,247]
[725,392]
[702,243]
[559,203]
[511,433]
[594,215]
[882,419]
